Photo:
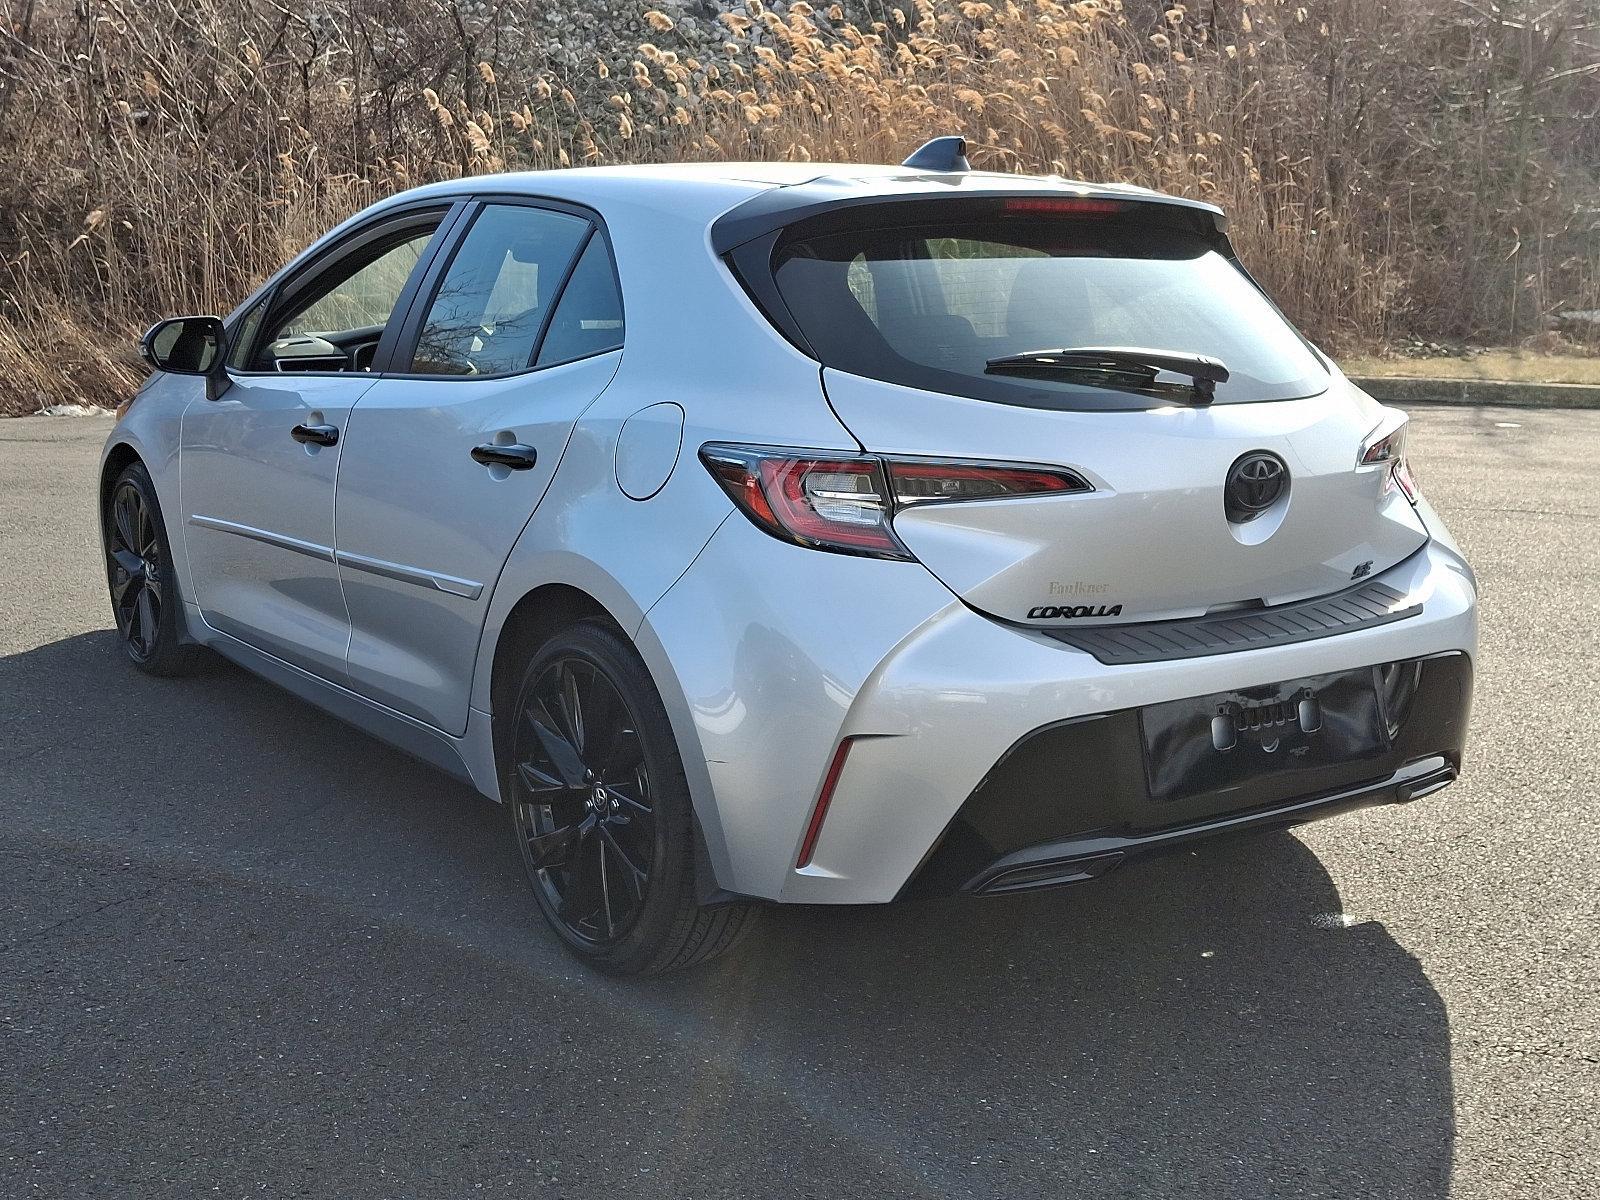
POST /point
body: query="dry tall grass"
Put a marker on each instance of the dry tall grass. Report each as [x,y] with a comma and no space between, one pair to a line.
[1413,166]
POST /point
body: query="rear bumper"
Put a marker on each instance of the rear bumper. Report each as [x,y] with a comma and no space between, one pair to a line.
[934,697]
[1077,798]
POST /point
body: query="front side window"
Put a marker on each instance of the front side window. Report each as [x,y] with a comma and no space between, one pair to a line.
[336,324]
[364,299]
[486,315]
[933,305]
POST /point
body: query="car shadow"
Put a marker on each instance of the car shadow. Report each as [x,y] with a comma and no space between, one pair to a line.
[1208,1024]
[1212,1024]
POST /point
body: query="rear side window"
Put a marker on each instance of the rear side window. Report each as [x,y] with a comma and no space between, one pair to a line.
[931,305]
[485,317]
[588,317]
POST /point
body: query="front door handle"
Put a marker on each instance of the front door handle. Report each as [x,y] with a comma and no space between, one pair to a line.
[517,458]
[315,435]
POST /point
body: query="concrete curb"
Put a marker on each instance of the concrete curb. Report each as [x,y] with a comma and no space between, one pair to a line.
[1395,389]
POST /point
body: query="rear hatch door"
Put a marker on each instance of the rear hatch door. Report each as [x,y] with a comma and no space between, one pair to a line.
[1245,494]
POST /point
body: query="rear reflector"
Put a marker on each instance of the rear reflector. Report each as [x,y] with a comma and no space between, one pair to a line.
[824,798]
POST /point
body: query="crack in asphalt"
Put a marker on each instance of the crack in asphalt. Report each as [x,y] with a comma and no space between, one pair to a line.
[77,918]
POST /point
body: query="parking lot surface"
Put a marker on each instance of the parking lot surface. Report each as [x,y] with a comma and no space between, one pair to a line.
[245,950]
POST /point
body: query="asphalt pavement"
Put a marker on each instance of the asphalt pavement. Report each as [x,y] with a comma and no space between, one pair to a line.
[245,950]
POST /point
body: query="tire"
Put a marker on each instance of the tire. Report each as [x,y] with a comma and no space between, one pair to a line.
[600,811]
[140,575]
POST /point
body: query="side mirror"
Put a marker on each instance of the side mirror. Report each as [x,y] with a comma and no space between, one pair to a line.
[190,346]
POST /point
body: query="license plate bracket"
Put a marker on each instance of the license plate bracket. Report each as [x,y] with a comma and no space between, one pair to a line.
[1328,725]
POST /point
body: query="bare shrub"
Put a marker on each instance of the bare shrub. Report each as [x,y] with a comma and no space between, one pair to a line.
[1426,167]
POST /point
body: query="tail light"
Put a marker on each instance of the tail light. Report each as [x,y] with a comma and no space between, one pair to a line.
[846,503]
[1386,447]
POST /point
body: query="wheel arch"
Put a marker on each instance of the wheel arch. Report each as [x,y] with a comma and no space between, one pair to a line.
[532,620]
[149,434]
[119,457]
[543,610]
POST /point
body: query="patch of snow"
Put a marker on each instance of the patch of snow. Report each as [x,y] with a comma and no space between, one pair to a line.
[1337,920]
[73,410]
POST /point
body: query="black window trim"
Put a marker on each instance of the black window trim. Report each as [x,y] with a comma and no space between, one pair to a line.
[421,301]
[287,290]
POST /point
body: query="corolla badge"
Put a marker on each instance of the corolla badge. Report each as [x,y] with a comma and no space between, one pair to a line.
[1053,612]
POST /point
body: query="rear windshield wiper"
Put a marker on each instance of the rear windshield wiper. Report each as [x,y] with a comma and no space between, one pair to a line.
[1206,371]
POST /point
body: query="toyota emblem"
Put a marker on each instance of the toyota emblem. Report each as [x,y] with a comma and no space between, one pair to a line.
[1255,483]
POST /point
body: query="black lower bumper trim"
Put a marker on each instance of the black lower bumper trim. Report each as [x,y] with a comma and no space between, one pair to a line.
[1077,859]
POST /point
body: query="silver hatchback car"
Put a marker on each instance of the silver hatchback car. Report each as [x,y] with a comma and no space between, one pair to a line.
[798,533]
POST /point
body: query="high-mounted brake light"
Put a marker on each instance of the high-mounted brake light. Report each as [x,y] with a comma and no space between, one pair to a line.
[1063,206]
[1385,446]
[846,503]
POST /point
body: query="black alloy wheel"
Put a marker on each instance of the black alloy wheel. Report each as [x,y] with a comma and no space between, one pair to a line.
[601,813]
[139,571]
[134,554]
[585,809]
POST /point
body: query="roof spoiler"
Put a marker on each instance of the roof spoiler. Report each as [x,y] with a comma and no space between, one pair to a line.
[942,154]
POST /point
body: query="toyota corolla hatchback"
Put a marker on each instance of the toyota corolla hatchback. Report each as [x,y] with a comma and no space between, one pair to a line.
[798,533]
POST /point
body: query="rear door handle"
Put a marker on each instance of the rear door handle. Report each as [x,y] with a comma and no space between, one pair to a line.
[315,435]
[517,458]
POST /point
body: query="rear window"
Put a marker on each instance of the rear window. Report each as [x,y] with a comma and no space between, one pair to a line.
[930,305]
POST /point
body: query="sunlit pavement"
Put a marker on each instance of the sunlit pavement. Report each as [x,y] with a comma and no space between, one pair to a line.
[246,950]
